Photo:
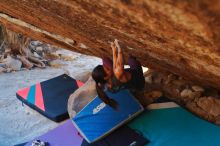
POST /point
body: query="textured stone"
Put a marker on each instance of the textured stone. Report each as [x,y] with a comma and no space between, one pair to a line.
[13,64]
[36,43]
[192,106]
[39,49]
[56,63]
[198,88]
[66,57]
[2,69]
[36,55]
[186,93]
[81,97]
[27,64]
[83,76]
[210,105]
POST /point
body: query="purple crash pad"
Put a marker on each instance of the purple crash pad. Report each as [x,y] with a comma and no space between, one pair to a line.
[64,135]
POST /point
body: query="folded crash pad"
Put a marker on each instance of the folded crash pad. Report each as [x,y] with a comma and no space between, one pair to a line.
[50,97]
[64,135]
[167,124]
[97,119]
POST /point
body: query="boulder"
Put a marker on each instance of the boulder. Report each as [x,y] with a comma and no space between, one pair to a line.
[81,97]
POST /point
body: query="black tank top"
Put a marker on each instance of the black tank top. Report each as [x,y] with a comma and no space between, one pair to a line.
[118,85]
[136,82]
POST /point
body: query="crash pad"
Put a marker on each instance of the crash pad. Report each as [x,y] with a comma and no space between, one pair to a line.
[171,125]
[50,97]
[97,119]
[64,135]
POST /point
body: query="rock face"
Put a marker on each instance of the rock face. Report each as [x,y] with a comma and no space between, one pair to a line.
[179,36]
[81,97]
[204,102]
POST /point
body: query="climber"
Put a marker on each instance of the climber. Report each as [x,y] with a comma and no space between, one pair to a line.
[113,77]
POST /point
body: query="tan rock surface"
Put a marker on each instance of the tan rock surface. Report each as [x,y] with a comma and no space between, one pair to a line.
[202,101]
[179,36]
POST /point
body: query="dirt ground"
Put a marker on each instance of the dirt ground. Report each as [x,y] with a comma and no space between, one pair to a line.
[20,123]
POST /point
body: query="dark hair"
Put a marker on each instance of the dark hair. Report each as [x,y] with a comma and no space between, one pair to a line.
[98,75]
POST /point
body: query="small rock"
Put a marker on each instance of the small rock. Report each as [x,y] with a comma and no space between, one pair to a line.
[2,69]
[83,46]
[66,57]
[197,88]
[193,107]
[12,63]
[39,49]
[8,70]
[26,63]
[148,79]
[210,105]
[36,43]
[56,63]
[51,56]
[186,93]
[37,55]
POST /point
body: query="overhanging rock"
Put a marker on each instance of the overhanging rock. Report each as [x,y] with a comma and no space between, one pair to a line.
[179,36]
